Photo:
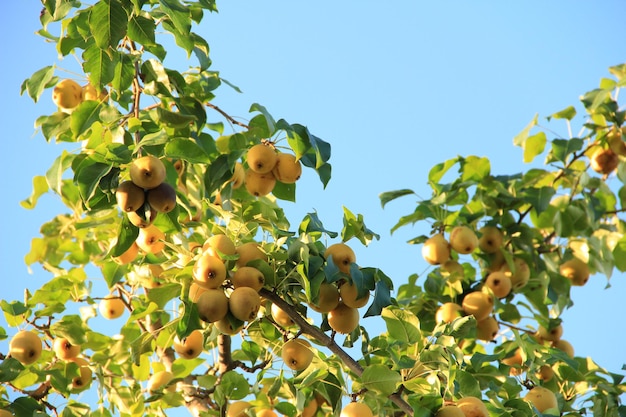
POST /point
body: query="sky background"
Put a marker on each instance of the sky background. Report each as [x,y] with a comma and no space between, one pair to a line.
[394,89]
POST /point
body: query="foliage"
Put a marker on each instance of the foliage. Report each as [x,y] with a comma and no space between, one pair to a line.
[554,212]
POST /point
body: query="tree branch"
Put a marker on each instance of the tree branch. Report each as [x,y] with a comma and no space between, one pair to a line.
[325,340]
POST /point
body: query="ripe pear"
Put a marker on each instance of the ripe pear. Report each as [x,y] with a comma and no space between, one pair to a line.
[191,346]
[83,381]
[348,293]
[90,93]
[239,176]
[490,240]
[195,291]
[328,298]
[576,271]
[244,303]
[616,142]
[355,409]
[261,158]
[6,413]
[63,349]
[209,271]
[248,252]
[449,411]
[297,354]
[343,256]
[141,221]
[248,276]
[288,169]
[266,412]
[515,361]
[604,161]
[212,305]
[565,346]
[499,283]
[472,407]
[479,304]
[280,316]
[310,408]
[219,245]
[551,334]
[111,307]
[545,373]
[463,240]
[343,319]
[452,270]
[259,185]
[147,172]
[129,196]
[67,94]
[447,312]
[162,198]
[129,255]
[151,239]
[159,381]
[487,329]
[436,249]
[238,409]
[519,273]
[25,346]
[225,326]
[542,398]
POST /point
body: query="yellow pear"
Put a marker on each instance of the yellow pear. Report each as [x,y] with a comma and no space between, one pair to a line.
[551,334]
[82,381]
[162,198]
[604,161]
[355,409]
[219,245]
[244,303]
[499,283]
[257,184]
[616,142]
[248,252]
[25,346]
[225,326]
[576,271]
[490,240]
[67,94]
[147,172]
[463,240]
[129,255]
[487,329]
[160,380]
[472,407]
[209,271]
[63,349]
[151,239]
[515,361]
[348,293]
[111,307]
[479,304]
[248,276]
[261,158]
[191,346]
[280,316]
[238,409]
[449,411]
[343,256]
[447,312]
[129,196]
[212,305]
[328,298]
[565,346]
[436,249]
[239,176]
[343,319]
[90,93]
[310,408]
[141,221]
[195,291]
[287,169]
[297,354]
[519,273]
[452,270]
[542,399]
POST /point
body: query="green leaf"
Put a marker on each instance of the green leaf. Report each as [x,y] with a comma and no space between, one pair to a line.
[382,299]
[380,379]
[123,73]
[534,146]
[108,21]
[38,82]
[234,386]
[141,30]
[438,171]
[87,177]
[173,119]
[567,113]
[284,191]
[40,187]
[619,254]
[84,116]
[126,236]
[271,123]
[388,196]
[539,198]
[179,15]
[10,368]
[353,226]
[72,328]
[186,149]
[562,148]
[520,139]
[402,325]
[312,223]
[99,65]
[474,168]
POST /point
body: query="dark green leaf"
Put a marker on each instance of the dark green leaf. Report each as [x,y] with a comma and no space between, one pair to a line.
[108,21]
[380,379]
[141,30]
[186,149]
[38,82]
[99,65]
[388,196]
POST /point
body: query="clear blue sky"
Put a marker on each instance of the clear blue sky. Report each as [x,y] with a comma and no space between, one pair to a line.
[395,89]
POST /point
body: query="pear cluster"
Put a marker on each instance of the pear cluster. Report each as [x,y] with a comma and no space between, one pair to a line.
[71,354]
[68,94]
[141,198]
[265,166]
[605,158]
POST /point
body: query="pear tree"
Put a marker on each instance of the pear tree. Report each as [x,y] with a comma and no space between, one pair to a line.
[216,304]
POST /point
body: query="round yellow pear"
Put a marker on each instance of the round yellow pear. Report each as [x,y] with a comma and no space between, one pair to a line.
[63,349]
[162,198]
[487,329]
[67,94]
[479,304]
[604,161]
[287,169]
[160,380]
[219,245]
[82,381]
[348,293]
[576,271]
[449,411]
[297,354]
[261,158]
[209,271]
[343,319]
[238,409]
[463,240]
[280,316]
[436,249]
[447,312]
[542,399]
[342,255]
[129,196]
[244,303]
[355,409]
[147,172]
[25,346]
[490,240]
[249,251]
[472,407]
[212,305]
[258,184]
[191,346]
[248,276]
[499,283]
[91,93]
[328,298]
[111,307]
[151,239]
